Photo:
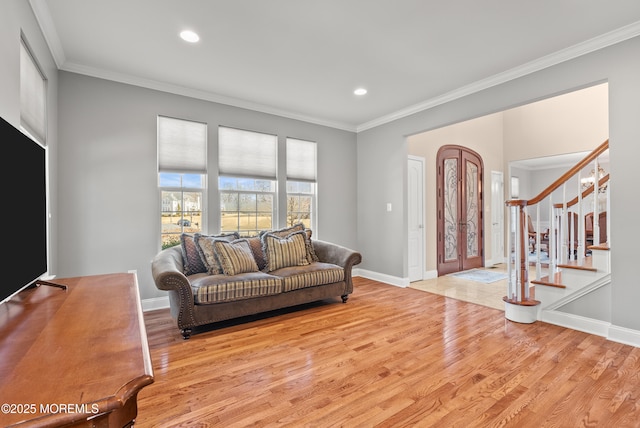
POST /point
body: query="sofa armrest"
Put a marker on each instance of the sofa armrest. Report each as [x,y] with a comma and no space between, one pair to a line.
[328,252]
[167,271]
[338,255]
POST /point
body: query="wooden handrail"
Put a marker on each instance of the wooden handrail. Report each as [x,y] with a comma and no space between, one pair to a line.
[589,190]
[566,176]
[519,284]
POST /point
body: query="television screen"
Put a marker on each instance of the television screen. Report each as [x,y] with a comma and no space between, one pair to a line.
[24,210]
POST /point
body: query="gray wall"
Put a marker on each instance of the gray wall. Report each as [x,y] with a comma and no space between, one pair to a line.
[16,16]
[102,149]
[110,203]
[382,236]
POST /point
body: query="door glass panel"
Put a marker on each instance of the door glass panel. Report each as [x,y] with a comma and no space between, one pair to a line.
[450,209]
[472,209]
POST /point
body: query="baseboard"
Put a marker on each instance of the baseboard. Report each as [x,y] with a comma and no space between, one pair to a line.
[592,326]
[376,276]
[393,280]
[155,303]
[576,322]
[624,335]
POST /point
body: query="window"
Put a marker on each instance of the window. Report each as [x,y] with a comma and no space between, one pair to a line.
[182,169]
[246,205]
[33,90]
[301,182]
[247,163]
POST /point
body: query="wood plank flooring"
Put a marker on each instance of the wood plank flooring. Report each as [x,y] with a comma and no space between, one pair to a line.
[389,357]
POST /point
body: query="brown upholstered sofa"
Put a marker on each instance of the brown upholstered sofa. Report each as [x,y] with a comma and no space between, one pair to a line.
[227,284]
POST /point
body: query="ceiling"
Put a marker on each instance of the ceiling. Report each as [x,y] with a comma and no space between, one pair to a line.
[303,59]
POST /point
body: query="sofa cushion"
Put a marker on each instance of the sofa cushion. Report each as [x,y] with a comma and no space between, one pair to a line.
[316,273]
[285,251]
[235,257]
[191,259]
[209,289]
[207,251]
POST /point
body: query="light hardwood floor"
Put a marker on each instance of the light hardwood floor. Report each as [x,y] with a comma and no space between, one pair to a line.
[469,291]
[390,357]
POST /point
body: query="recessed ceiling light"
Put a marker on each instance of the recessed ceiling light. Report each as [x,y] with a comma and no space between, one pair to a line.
[360,91]
[189,36]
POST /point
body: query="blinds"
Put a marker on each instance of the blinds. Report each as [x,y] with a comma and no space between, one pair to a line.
[32,96]
[246,153]
[182,146]
[301,160]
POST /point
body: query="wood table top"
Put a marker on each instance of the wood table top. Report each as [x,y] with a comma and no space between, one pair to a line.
[68,351]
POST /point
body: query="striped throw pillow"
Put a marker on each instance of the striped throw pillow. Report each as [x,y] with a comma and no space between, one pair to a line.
[285,251]
[206,248]
[235,257]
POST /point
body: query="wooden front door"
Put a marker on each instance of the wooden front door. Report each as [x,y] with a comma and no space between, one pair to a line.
[460,210]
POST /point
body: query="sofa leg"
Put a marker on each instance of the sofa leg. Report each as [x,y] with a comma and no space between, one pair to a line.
[186,333]
[344,298]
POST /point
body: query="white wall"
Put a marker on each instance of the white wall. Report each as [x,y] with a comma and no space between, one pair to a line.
[382,151]
[110,206]
[483,135]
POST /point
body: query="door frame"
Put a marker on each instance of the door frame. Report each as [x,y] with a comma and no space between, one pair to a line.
[463,262]
[497,217]
[421,248]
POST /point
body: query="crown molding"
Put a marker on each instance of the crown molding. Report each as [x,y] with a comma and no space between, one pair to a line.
[43,17]
[198,94]
[588,46]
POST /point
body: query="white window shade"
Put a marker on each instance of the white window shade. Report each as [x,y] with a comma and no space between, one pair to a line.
[301,160]
[32,96]
[247,154]
[182,146]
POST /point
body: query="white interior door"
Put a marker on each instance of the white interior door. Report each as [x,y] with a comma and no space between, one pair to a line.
[415,187]
[497,217]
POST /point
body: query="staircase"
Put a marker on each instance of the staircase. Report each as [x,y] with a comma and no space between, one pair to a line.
[578,263]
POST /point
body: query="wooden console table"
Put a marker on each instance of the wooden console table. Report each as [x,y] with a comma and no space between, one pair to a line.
[74,357]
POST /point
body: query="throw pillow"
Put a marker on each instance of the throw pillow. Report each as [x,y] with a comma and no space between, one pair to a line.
[285,231]
[285,251]
[258,254]
[235,257]
[207,251]
[311,254]
[190,256]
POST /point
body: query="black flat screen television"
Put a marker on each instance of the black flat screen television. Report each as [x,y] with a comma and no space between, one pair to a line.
[24,211]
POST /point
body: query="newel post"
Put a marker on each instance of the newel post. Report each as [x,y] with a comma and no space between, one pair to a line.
[519,306]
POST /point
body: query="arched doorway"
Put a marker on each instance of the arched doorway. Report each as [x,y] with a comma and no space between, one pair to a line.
[460,209]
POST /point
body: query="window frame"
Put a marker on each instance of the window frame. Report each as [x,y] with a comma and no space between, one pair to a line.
[174,164]
[302,167]
[238,151]
[312,208]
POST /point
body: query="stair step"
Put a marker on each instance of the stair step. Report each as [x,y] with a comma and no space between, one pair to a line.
[573,264]
[603,247]
[556,281]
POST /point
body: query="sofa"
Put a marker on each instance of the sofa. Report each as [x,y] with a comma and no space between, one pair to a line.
[212,278]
